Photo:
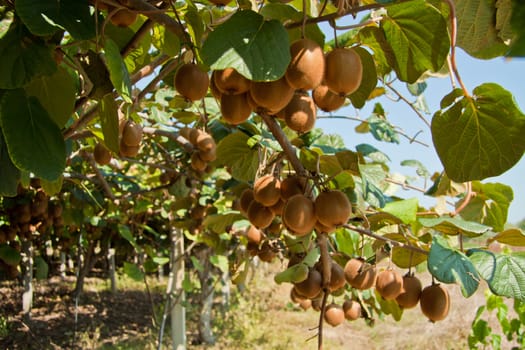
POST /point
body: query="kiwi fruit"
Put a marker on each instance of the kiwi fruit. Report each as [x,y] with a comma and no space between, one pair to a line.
[267,190]
[194,135]
[229,81]
[101,154]
[360,274]
[320,228]
[254,235]
[235,108]
[295,296]
[191,82]
[317,303]
[326,99]
[278,207]
[259,215]
[337,277]
[343,71]
[334,315]
[311,286]
[271,96]
[306,68]
[332,208]
[246,199]
[389,284]
[266,253]
[299,215]
[305,304]
[214,89]
[435,302]
[131,134]
[208,156]
[205,142]
[123,17]
[411,293]
[197,163]
[352,310]
[300,114]
[198,212]
[292,185]
[185,132]
[128,151]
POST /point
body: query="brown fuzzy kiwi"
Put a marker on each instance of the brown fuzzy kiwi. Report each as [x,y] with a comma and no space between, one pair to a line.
[326,99]
[230,82]
[208,156]
[411,293]
[292,185]
[278,207]
[311,286]
[101,154]
[271,96]
[254,235]
[214,89]
[300,114]
[305,304]
[320,228]
[299,215]
[197,163]
[332,208]
[360,274]
[194,135]
[123,17]
[337,277]
[246,199]
[128,151]
[191,82]
[306,68]
[389,284]
[435,302]
[295,296]
[344,71]
[235,108]
[205,142]
[185,132]
[259,215]
[334,315]
[352,310]
[267,190]
[132,133]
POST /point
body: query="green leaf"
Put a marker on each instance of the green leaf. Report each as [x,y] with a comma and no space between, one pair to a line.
[118,72]
[517,48]
[503,20]
[133,271]
[9,173]
[490,205]
[421,170]
[454,225]
[24,57]
[34,141]
[52,187]
[45,17]
[476,28]
[257,49]
[294,274]
[126,233]
[218,223]
[368,81]
[450,266]
[404,209]
[220,261]
[511,236]
[347,241]
[234,152]
[166,41]
[41,268]
[10,255]
[374,38]
[161,260]
[505,273]
[373,153]
[56,93]
[405,259]
[109,122]
[418,35]
[382,129]
[479,136]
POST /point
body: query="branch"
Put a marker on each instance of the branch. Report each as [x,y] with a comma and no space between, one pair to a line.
[410,104]
[321,320]
[101,178]
[149,68]
[385,239]
[188,147]
[287,147]
[153,83]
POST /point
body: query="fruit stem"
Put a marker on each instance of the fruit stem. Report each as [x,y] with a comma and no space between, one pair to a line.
[326,261]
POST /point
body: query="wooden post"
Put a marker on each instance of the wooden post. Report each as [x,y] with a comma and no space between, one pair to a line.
[178,312]
[27,263]
[111,267]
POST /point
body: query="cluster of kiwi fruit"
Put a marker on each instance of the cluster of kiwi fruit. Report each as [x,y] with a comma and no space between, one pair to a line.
[120,17]
[330,77]
[130,138]
[204,147]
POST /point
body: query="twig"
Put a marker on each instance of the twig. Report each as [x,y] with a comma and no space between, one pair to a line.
[405,185]
[410,104]
[358,25]
[153,83]
[321,319]
[149,68]
[385,239]
[188,147]
[103,182]
[468,196]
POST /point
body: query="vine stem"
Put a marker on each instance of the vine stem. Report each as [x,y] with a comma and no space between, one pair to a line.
[101,178]
[321,319]
[453,33]
[410,104]
[395,243]
[468,196]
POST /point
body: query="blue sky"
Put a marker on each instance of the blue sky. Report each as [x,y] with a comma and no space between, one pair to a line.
[510,74]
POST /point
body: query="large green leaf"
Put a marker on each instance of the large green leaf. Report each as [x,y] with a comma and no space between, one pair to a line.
[218,223]
[109,122]
[517,20]
[10,255]
[34,141]
[479,136]
[24,57]
[56,93]
[418,35]
[233,151]
[452,266]
[374,38]
[369,80]
[45,17]
[118,72]
[454,225]
[512,236]
[476,28]
[490,205]
[133,271]
[256,48]
[404,209]
[505,273]
[9,173]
